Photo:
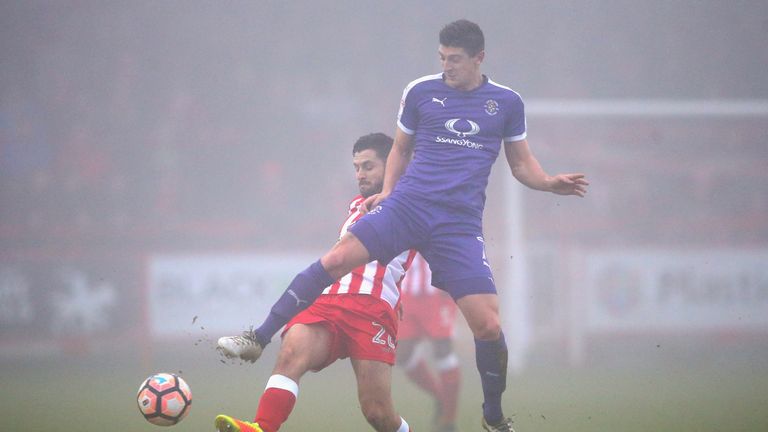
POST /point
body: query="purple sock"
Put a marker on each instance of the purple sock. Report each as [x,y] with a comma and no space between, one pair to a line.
[491,358]
[302,291]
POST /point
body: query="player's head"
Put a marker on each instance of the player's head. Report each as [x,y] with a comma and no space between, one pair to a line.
[462,49]
[369,156]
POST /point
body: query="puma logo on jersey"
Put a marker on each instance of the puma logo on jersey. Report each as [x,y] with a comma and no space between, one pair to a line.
[440,101]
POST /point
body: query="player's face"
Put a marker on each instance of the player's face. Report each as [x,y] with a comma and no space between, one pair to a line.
[460,71]
[369,171]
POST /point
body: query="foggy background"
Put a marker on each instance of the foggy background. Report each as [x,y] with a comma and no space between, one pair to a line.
[163,161]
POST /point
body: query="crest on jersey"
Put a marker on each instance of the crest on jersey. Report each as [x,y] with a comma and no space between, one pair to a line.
[474,128]
[491,107]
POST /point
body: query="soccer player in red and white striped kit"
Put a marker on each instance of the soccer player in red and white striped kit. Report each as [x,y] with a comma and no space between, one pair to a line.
[355,317]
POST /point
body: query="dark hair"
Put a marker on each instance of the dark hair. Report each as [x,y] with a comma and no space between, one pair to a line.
[463,34]
[379,142]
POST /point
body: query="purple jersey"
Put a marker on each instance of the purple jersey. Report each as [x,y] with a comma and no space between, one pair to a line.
[458,135]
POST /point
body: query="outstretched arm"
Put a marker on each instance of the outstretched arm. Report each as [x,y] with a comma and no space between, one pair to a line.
[398,159]
[527,170]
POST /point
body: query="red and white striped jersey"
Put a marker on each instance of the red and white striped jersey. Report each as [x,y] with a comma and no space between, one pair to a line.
[418,281]
[372,278]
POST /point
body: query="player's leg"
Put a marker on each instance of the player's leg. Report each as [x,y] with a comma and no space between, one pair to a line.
[449,377]
[409,352]
[305,347]
[379,235]
[374,391]
[345,255]
[482,314]
[460,267]
[409,358]
[368,329]
[439,331]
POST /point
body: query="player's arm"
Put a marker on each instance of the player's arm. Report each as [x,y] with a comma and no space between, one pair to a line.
[528,171]
[398,159]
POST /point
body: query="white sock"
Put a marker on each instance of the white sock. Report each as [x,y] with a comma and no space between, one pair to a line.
[403,426]
[448,362]
[283,382]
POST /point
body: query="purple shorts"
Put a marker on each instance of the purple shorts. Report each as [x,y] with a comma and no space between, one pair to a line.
[450,240]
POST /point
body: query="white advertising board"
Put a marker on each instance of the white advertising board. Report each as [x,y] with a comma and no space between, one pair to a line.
[220,293]
[663,290]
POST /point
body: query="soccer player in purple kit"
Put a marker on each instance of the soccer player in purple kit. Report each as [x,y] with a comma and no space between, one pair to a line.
[451,127]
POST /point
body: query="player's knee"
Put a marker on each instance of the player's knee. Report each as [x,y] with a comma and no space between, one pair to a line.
[343,258]
[375,412]
[291,360]
[488,328]
[286,358]
[333,262]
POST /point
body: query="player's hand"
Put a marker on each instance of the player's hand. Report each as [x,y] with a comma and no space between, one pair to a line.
[569,184]
[371,202]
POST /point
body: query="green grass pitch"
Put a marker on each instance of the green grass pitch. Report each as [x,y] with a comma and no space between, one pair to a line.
[97,393]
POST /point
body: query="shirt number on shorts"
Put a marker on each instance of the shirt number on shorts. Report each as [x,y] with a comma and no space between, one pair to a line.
[379,338]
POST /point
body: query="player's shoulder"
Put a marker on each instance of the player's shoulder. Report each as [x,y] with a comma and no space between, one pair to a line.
[355,203]
[504,91]
[424,82]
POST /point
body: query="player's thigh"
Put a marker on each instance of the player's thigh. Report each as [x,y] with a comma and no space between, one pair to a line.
[394,226]
[482,314]
[346,255]
[374,383]
[456,258]
[305,347]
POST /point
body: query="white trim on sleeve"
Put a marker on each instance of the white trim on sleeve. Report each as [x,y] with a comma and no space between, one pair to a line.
[405,129]
[516,137]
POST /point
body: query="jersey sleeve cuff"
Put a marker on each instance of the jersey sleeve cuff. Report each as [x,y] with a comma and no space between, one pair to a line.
[405,129]
[516,137]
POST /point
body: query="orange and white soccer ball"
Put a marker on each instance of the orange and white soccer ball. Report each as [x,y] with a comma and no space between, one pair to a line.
[164,399]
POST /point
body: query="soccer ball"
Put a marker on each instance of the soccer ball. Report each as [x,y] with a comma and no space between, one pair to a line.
[164,399]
